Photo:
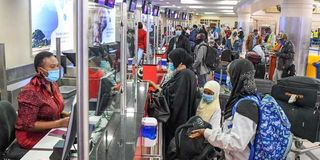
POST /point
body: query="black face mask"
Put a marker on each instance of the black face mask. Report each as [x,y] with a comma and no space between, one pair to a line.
[198,41]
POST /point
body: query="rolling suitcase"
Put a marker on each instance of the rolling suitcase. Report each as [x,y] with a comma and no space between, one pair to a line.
[264,86]
[304,113]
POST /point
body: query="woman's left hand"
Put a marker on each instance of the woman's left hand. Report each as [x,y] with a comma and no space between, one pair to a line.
[197,134]
[65,114]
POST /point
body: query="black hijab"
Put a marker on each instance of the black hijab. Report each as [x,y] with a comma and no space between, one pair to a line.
[242,79]
[180,56]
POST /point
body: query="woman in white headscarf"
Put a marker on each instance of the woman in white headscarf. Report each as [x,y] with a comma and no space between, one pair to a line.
[209,107]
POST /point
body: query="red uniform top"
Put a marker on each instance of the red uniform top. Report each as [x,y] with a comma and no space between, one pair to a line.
[36,103]
[142,39]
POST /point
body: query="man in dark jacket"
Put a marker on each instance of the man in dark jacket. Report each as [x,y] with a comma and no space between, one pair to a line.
[179,41]
[284,58]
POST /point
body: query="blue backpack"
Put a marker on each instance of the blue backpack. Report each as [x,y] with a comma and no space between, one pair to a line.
[273,137]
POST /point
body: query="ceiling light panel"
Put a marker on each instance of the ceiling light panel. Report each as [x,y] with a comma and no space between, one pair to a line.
[208,2]
[211,7]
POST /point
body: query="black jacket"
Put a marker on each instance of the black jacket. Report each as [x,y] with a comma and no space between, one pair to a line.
[180,92]
[285,56]
[183,42]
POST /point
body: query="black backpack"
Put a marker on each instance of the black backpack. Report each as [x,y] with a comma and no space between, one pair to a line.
[212,58]
[184,148]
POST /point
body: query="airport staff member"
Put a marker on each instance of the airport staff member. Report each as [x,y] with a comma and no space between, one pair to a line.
[40,103]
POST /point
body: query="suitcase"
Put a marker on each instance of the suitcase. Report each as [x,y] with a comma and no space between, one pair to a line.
[264,86]
[307,87]
[304,114]
[305,122]
[260,70]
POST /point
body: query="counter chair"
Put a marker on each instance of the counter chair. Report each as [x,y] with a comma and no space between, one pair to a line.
[9,148]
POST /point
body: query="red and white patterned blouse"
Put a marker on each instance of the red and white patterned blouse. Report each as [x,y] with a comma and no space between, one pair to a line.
[36,103]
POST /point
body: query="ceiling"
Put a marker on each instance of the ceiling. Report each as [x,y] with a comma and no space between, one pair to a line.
[203,7]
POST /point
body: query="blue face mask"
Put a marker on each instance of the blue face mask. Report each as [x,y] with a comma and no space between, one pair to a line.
[283,42]
[103,64]
[207,98]
[53,75]
[171,67]
[178,33]
[228,83]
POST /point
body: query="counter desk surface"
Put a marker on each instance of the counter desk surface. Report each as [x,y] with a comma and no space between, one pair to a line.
[120,137]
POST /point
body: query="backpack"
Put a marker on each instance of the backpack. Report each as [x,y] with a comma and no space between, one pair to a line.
[212,58]
[273,136]
[184,148]
[289,72]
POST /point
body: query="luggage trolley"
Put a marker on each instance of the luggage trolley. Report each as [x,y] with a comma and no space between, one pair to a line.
[301,149]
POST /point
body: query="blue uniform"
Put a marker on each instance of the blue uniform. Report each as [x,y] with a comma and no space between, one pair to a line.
[317,65]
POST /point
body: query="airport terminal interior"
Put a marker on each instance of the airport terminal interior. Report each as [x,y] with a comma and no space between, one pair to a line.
[160,79]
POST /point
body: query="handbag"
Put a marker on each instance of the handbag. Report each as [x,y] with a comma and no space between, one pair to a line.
[158,107]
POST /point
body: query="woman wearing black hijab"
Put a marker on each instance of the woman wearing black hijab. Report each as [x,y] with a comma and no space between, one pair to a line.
[239,130]
[180,92]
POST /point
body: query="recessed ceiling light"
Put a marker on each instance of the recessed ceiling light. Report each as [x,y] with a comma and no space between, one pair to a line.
[179,7]
[212,7]
[229,13]
[225,11]
[198,7]
[167,2]
[209,13]
[207,3]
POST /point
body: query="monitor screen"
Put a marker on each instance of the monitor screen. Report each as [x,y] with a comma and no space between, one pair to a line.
[105,95]
[133,5]
[172,15]
[103,2]
[71,131]
[176,15]
[145,7]
[182,15]
[110,3]
[155,11]
[169,13]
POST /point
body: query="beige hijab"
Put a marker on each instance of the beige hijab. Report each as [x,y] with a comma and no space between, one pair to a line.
[204,110]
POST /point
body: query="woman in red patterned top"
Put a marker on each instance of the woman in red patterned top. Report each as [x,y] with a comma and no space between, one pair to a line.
[40,103]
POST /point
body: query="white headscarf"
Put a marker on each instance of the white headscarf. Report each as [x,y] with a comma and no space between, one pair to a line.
[204,110]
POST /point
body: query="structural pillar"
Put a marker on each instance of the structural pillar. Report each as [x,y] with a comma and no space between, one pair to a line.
[295,21]
[245,22]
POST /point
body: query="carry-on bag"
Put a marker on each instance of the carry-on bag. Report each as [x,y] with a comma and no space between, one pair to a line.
[300,99]
[158,107]
[264,86]
[183,147]
[253,57]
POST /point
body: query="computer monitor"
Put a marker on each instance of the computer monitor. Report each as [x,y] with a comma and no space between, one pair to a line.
[96,51]
[110,3]
[155,11]
[71,131]
[103,2]
[105,95]
[71,55]
[145,7]
[133,5]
